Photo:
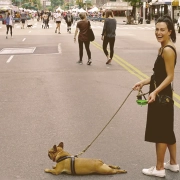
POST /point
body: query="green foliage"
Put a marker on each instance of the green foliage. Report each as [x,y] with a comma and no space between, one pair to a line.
[56,3]
[134,2]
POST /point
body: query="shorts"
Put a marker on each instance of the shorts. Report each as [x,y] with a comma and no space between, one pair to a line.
[58,22]
[23,20]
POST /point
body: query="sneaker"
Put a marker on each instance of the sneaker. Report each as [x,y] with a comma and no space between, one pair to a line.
[174,168]
[89,62]
[80,62]
[154,172]
[109,61]
[6,37]
[55,31]
[59,33]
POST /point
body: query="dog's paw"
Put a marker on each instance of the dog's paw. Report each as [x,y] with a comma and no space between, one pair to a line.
[46,170]
[54,166]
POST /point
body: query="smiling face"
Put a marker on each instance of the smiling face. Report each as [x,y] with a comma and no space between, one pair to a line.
[162,32]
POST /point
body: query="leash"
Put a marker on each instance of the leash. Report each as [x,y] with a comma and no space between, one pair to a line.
[104,126]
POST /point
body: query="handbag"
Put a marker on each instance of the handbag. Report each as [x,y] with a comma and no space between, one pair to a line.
[91,36]
[162,99]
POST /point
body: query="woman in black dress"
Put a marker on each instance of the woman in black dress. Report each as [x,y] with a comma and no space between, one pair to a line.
[160,119]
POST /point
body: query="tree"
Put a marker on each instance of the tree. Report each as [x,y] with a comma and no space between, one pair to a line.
[56,3]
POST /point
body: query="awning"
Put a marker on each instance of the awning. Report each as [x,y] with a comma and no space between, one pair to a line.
[117,6]
[5,8]
[175,3]
[159,2]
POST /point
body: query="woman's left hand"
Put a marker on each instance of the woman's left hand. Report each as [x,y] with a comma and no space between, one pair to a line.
[152,97]
[102,38]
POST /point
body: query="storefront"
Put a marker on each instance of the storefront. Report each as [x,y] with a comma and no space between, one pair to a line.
[162,7]
[119,8]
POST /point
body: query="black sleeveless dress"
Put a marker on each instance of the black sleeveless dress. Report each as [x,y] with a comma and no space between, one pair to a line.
[160,119]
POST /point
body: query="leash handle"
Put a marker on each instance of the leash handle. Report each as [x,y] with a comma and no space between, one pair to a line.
[105,125]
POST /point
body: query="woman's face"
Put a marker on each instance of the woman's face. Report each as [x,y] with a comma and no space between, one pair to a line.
[162,33]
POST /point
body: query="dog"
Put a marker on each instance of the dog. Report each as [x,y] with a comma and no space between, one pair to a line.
[29,25]
[66,163]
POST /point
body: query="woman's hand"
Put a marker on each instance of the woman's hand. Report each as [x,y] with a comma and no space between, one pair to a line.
[102,38]
[152,97]
[138,86]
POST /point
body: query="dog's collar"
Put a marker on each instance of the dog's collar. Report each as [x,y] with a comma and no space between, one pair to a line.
[72,162]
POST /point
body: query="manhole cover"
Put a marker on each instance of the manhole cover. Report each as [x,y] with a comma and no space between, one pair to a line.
[18,50]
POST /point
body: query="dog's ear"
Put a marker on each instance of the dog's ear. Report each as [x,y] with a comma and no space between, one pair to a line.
[61,144]
[55,148]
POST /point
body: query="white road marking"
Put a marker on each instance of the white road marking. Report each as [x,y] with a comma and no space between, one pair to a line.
[10,58]
[24,39]
[59,48]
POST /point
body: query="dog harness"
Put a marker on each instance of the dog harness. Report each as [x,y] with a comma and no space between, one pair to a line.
[72,162]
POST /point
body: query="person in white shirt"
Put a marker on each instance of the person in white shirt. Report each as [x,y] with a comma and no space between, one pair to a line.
[58,18]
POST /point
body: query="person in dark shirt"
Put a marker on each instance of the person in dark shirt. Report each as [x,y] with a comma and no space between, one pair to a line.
[82,27]
[108,35]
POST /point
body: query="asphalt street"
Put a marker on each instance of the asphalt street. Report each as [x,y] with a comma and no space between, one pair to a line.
[47,98]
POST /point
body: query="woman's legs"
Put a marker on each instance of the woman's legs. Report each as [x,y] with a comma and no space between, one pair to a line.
[87,43]
[160,153]
[172,152]
[7,29]
[105,43]
[11,30]
[111,42]
[80,50]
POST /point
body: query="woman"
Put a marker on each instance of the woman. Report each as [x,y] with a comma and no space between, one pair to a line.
[9,24]
[58,19]
[82,27]
[160,119]
[69,20]
[108,35]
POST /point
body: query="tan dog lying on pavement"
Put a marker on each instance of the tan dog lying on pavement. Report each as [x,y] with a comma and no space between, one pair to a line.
[80,166]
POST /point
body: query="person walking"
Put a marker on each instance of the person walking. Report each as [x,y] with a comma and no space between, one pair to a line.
[82,27]
[9,24]
[69,20]
[160,118]
[108,35]
[23,18]
[58,19]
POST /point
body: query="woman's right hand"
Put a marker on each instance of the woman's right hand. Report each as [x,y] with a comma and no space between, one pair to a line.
[138,86]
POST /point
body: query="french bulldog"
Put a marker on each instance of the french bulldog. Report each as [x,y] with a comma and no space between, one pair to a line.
[66,163]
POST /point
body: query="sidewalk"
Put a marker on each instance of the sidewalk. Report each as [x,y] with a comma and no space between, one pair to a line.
[122,20]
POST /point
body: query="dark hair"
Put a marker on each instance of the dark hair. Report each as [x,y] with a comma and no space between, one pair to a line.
[170,25]
[109,13]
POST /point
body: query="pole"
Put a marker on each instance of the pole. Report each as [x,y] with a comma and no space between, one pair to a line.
[144,8]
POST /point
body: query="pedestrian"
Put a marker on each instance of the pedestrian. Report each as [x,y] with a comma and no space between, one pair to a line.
[160,119]
[45,20]
[23,19]
[108,35]
[9,24]
[82,27]
[138,17]
[58,19]
[69,20]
